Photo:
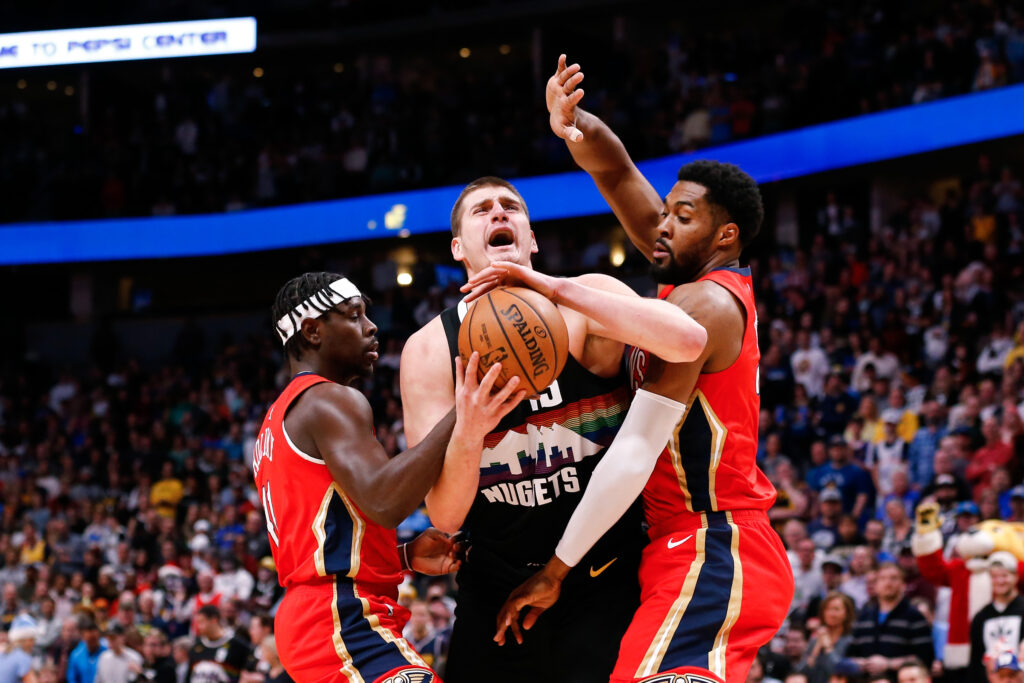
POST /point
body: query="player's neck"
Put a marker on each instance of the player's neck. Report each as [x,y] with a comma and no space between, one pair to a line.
[719,260]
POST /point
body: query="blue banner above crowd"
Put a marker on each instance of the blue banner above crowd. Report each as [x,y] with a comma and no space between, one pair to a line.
[133,41]
[865,139]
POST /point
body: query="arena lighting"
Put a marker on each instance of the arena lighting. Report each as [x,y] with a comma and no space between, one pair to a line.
[865,139]
[133,41]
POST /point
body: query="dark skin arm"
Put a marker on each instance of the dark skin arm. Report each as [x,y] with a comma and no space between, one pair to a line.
[599,152]
[722,315]
[334,423]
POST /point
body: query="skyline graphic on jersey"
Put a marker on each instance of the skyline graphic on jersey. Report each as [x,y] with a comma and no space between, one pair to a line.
[539,451]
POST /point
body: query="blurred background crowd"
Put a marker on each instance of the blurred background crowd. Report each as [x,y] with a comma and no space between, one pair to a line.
[222,135]
[132,542]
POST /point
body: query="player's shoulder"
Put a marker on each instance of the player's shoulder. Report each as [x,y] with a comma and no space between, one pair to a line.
[427,351]
[328,399]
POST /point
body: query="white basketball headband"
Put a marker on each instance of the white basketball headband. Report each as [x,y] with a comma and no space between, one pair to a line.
[315,306]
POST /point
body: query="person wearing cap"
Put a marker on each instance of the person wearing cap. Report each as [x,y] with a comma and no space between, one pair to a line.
[118,664]
[824,529]
[1016,504]
[851,481]
[833,572]
[1006,669]
[887,455]
[999,625]
[16,660]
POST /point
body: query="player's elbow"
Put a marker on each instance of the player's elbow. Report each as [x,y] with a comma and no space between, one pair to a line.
[689,344]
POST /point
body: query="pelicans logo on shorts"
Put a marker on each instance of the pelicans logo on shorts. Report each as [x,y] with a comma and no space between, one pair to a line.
[411,676]
[681,678]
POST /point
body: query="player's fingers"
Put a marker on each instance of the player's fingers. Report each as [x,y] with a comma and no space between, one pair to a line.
[502,394]
[561,64]
[573,82]
[568,73]
[505,617]
[487,383]
[532,616]
[515,630]
[471,376]
[460,373]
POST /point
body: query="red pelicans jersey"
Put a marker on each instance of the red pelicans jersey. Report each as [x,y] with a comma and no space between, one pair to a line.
[710,464]
[317,533]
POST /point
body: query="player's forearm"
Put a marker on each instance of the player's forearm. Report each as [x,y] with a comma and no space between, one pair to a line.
[600,151]
[622,473]
[632,199]
[401,485]
[654,325]
[451,497]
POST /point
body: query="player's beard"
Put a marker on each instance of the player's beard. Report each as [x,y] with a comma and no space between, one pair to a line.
[677,270]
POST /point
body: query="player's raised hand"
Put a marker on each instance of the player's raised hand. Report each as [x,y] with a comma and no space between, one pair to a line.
[478,407]
[508,274]
[434,552]
[562,96]
[538,593]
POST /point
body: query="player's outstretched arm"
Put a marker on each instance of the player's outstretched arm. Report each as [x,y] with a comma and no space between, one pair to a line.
[612,309]
[339,422]
[600,152]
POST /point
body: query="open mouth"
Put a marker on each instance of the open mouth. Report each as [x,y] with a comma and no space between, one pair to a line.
[502,237]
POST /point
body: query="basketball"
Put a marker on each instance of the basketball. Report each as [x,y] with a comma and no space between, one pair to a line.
[522,330]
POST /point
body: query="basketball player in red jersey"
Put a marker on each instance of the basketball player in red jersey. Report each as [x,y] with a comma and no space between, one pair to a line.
[715,580]
[332,497]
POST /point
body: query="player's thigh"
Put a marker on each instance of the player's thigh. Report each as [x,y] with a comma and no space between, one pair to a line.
[710,598]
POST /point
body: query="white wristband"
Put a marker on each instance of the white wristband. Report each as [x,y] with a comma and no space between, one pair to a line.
[622,473]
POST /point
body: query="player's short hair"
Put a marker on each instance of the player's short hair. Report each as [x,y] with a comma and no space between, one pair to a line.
[296,291]
[731,190]
[486,181]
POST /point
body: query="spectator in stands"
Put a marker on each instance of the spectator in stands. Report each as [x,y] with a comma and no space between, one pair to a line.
[889,632]
[899,527]
[925,443]
[999,626]
[824,530]
[913,671]
[118,664]
[994,454]
[157,666]
[884,457]
[856,585]
[82,664]
[807,576]
[16,665]
[831,638]
[851,481]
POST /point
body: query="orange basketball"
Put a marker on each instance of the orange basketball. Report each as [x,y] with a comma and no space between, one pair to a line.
[521,329]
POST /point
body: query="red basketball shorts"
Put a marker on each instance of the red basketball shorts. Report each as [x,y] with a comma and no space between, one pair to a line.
[342,634]
[714,588]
